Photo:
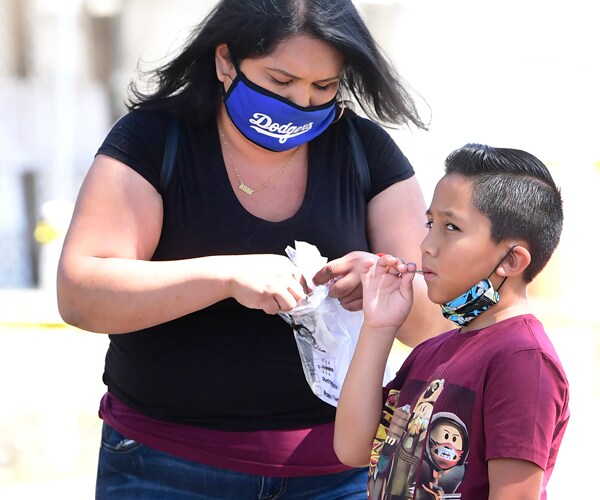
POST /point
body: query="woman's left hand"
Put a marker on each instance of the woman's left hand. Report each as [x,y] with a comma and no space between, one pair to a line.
[346,272]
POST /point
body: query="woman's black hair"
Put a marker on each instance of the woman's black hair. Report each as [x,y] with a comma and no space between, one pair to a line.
[188,86]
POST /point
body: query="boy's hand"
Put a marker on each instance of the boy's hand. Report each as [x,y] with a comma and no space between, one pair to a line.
[387,292]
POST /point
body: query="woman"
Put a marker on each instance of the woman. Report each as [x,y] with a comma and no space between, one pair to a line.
[206,395]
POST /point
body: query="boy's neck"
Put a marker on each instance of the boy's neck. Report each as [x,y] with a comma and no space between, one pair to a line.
[509,306]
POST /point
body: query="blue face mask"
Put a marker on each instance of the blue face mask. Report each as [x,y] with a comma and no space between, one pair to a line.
[475,301]
[271,121]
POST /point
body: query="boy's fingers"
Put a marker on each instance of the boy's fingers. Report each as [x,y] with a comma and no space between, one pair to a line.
[409,272]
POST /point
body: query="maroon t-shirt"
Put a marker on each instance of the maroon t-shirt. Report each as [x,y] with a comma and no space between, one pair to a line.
[462,399]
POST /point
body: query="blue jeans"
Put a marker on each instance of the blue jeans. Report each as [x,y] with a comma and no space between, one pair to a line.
[130,470]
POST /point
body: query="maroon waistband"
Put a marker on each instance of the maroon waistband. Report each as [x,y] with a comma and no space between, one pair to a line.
[270,453]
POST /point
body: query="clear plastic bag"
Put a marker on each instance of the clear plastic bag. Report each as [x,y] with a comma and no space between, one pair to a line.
[326,334]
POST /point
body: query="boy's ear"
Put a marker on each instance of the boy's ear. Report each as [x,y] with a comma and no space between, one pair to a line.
[515,263]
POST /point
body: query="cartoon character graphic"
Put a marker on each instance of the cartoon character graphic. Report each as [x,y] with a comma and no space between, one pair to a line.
[384,454]
[403,472]
[445,458]
[400,454]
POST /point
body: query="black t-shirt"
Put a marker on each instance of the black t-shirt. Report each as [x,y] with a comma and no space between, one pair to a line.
[228,367]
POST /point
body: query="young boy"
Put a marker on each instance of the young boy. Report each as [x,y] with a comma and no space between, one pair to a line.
[477,412]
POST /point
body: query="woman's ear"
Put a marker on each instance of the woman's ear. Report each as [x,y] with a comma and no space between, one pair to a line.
[515,262]
[224,64]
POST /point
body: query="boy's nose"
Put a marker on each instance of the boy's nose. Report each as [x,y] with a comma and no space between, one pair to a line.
[427,245]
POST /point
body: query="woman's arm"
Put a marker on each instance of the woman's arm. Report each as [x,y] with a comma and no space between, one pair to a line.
[106,282]
[514,480]
[396,225]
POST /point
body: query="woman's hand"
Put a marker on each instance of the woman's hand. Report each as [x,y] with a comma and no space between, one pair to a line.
[268,282]
[346,273]
[387,292]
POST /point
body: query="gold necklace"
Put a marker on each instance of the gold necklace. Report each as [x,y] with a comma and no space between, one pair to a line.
[243,186]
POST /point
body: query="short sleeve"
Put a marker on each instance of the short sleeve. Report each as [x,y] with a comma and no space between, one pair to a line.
[138,140]
[387,163]
[525,407]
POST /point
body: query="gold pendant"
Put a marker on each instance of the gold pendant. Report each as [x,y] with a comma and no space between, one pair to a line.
[246,189]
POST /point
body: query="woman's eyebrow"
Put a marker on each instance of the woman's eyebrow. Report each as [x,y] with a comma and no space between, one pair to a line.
[290,75]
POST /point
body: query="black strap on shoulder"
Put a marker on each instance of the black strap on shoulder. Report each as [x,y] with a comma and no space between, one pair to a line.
[360,158]
[168,164]
[356,145]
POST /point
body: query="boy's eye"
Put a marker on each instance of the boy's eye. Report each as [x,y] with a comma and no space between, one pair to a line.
[429,224]
[451,227]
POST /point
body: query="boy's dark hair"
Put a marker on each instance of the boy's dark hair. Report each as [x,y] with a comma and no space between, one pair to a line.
[188,85]
[516,192]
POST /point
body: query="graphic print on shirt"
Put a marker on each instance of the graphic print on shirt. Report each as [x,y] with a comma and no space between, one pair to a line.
[418,454]
[446,451]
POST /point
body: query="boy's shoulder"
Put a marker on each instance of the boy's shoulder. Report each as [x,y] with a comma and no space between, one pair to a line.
[519,333]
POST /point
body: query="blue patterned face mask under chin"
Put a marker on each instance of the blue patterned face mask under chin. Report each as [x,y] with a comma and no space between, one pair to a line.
[472,303]
[271,121]
[475,301]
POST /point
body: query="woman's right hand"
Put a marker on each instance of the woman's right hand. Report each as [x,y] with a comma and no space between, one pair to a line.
[266,281]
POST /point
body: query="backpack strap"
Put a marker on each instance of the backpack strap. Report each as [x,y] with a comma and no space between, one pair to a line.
[360,158]
[168,164]
[356,146]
